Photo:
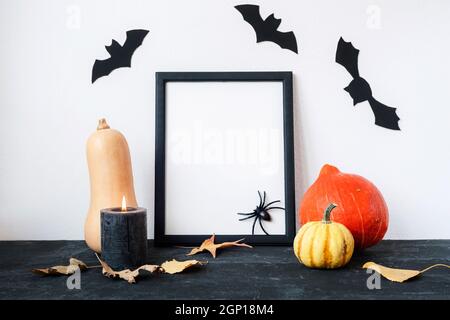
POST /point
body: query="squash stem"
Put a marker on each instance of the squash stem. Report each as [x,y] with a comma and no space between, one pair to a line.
[102,124]
[327,213]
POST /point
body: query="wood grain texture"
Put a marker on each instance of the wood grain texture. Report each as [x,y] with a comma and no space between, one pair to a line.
[259,273]
[124,238]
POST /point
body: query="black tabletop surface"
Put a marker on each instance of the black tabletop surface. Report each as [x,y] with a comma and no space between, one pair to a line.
[236,273]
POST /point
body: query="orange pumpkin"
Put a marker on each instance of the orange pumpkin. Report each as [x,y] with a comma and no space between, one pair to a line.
[361,207]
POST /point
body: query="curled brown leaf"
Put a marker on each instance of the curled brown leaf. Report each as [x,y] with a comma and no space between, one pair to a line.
[131,276]
[212,247]
[175,266]
[398,275]
[74,264]
[127,274]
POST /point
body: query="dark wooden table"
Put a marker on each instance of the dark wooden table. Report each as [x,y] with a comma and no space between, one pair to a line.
[236,273]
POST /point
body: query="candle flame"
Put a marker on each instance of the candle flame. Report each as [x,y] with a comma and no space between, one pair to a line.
[124,204]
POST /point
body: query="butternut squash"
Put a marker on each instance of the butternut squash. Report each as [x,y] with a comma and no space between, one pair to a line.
[111,178]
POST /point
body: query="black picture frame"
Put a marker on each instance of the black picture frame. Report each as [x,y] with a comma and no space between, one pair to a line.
[161,239]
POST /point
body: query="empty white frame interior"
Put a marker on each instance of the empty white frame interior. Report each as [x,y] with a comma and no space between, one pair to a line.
[224,142]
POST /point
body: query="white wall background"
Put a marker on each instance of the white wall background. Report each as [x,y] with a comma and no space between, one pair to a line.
[48,106]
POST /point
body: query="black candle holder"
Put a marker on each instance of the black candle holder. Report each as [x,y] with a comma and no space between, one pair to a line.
[124,237]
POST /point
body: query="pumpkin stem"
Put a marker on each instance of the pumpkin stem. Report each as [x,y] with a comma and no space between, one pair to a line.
[328,169]
[102,124]
[327,213]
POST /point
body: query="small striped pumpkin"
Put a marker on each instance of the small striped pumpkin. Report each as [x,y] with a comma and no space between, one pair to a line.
[324,244]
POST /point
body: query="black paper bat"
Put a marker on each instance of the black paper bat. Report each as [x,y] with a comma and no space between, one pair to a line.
[120,55]
[266,30]
[359,89]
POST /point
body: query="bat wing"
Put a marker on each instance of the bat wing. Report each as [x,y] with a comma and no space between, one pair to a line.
[134,41]
[251,14]
[385,116]
[347,56]
[285,40]
[102,68]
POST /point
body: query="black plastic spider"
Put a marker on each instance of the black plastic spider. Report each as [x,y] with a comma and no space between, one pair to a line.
[260,212]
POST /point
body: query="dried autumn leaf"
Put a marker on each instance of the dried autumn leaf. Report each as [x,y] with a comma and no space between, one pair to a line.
[210,246]
[175,266]
[398,275]
[127,274]
[74,264]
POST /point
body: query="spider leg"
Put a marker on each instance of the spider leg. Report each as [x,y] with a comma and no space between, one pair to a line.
[264,200]
[271,203]
[260,199]
[253,227]
[260,223]
[249,217]
[270,208]
[245,214]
